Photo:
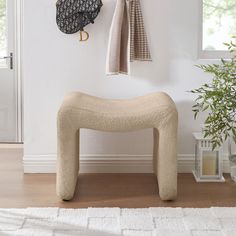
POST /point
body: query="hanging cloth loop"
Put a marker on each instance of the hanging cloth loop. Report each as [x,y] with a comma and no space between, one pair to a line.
[127,39]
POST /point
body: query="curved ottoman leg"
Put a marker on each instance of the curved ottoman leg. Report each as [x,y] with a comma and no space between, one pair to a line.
[67,161]
[167,164]
[155,150]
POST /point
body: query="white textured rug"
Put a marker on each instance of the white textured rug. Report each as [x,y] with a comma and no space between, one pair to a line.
[213,221]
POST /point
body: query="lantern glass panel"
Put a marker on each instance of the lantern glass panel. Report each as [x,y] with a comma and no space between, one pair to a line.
[197,160]
[210,163]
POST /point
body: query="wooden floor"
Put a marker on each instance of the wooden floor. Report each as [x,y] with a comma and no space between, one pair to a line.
[104,190]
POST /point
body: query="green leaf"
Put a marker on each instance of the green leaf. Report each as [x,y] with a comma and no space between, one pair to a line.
[205,108]
[218,97]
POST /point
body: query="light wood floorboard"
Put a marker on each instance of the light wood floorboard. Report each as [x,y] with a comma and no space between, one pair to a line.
[104,190]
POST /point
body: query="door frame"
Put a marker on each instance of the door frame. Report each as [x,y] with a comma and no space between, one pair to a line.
[18,59]
[17,33]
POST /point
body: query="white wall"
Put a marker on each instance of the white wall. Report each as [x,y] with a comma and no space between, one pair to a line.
[55,64]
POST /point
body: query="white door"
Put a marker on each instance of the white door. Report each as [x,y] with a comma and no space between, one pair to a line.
[8,82]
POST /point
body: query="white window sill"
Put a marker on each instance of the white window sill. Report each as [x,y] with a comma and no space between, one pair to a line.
[213,55]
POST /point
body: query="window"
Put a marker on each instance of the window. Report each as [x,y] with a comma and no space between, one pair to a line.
[3,41]
[218,25]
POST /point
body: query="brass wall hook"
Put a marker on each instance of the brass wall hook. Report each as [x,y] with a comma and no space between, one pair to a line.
[84,36]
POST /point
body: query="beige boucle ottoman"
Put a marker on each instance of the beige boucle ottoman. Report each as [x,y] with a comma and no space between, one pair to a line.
[156,110]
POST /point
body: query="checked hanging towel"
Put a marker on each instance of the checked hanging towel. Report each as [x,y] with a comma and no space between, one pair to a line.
[127,39]
[73,15]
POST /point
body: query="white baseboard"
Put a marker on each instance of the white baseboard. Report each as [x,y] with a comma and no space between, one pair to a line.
[10,146]
[108,163]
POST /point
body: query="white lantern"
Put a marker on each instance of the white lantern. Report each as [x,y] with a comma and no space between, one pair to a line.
[208,164]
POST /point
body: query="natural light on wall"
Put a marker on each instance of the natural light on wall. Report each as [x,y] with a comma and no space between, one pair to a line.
[219,24]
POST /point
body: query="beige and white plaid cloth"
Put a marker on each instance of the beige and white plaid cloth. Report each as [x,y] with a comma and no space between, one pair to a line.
[127,39]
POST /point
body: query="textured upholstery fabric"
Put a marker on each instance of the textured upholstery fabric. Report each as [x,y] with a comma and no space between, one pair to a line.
[156,110]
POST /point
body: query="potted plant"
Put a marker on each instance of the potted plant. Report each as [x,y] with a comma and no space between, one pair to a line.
[218,99]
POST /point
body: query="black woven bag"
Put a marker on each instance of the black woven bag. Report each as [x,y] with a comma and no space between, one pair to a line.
[74,15]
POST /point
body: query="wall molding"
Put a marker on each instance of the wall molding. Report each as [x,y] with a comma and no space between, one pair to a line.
[10,146]
[109,163]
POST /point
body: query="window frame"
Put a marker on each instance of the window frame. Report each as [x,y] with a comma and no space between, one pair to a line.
[208,54]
